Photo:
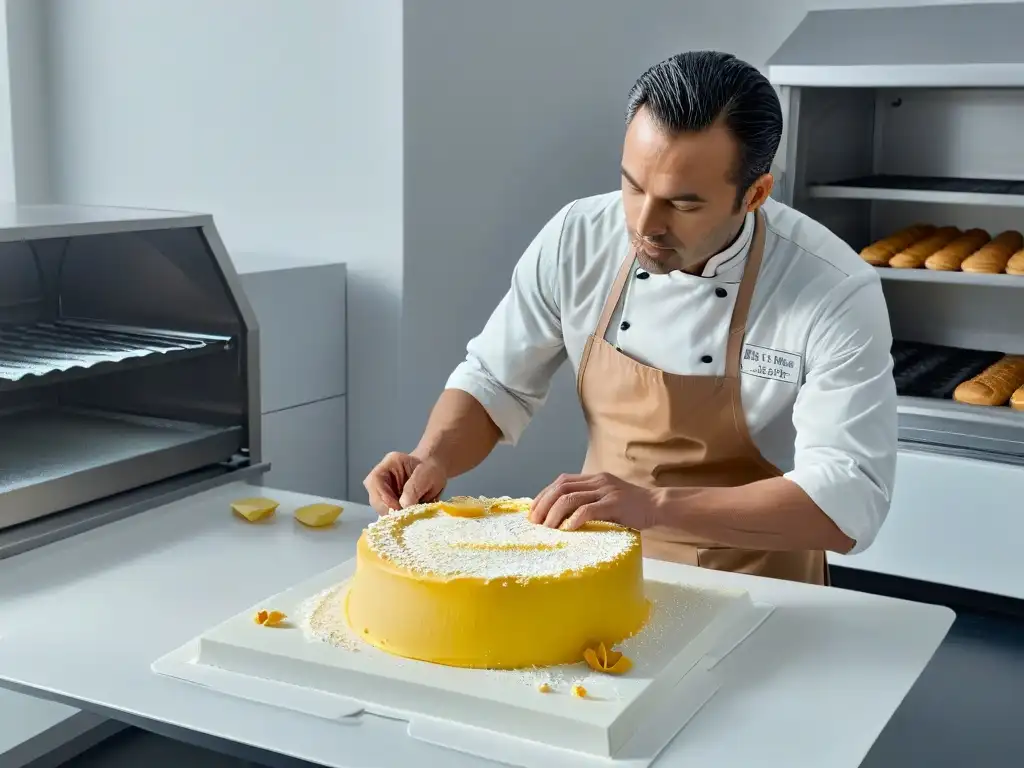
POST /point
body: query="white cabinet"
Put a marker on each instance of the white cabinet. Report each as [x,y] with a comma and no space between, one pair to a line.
[301,317]
[954,521]
[306,448]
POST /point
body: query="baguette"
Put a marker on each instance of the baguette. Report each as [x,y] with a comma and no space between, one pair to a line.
[914,256]
[995,385]
[993,258]
[950,258]
[1015,266]
[1017,399]
[878,254]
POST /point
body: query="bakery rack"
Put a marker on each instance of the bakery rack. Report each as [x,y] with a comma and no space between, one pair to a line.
[896,116]
[128,365]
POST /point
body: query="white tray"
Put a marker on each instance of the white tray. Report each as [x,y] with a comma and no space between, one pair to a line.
[623,721]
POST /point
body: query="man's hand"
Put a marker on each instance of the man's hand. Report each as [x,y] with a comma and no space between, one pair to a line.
[401,480]
[573,500]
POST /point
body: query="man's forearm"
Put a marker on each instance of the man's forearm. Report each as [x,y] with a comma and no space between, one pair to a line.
[772,514]
[459,435]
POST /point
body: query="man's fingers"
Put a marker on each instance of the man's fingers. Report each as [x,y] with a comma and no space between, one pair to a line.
[565,484]
[420,487]
[598,510]
[382,502]
[567,505]
[380,487]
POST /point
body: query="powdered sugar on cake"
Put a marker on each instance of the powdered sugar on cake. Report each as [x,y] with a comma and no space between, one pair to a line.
[494,546]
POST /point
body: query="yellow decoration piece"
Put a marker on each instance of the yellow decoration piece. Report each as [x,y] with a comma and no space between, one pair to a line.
[254,510]
[494,591]
[579,691]
[318,515]
[544,688]
[611,662]
[270,618]
[462,506]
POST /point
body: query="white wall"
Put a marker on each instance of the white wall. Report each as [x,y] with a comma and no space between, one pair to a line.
[29,92]
[7,186]
[282,119]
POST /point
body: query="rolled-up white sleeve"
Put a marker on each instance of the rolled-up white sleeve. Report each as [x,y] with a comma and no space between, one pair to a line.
[845,412]
[510,364]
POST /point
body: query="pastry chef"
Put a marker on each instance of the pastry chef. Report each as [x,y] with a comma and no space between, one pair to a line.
[732,355]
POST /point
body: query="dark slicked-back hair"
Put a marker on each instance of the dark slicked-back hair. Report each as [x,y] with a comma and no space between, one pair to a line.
[694,90]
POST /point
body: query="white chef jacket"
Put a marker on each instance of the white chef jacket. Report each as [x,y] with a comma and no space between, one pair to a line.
[817,385]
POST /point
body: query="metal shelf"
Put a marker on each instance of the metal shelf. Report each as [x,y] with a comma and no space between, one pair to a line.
[68,348]
[961,428]
[924,189]
[47,457]
[950,278]
[926,376]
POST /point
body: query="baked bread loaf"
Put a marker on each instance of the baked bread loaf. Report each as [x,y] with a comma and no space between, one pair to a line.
[949,258]
[1017,399]
[914,256]
[878,254]
[995,385]
[1015,266]
[993,258]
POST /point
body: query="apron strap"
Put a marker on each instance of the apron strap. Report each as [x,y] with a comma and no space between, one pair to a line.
[615,294]
[738,325]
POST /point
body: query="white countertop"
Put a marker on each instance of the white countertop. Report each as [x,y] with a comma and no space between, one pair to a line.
[85,618]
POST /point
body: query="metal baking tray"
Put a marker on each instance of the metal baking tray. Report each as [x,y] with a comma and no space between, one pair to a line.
[934,371]
[65,349]
[57,458]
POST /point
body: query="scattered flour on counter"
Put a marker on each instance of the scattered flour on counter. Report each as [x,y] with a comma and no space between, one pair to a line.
[322,619]
[671,605]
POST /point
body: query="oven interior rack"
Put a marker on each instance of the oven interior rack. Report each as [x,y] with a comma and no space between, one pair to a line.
[65,349]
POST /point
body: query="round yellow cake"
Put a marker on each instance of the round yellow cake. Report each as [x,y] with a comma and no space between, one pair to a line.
[473,583]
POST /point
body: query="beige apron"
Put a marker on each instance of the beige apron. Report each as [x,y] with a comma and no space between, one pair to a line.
[664,430]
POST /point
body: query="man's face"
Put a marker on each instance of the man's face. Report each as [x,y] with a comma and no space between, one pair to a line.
[679,194]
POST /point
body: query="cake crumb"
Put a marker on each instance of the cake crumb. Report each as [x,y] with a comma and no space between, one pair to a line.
[579,691]
[544,688]
[270,618]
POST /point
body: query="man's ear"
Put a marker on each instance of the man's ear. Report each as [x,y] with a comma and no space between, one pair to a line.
[758,192]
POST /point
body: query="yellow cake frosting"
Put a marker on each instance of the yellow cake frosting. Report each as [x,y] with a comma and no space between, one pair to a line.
[473,583]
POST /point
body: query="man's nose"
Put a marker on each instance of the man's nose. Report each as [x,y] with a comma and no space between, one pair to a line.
[652,222]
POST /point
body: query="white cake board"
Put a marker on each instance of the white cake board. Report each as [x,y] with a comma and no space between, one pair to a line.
[624,721]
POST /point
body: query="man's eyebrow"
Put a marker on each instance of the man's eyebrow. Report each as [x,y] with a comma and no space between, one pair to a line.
[630,179]
[684,197]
